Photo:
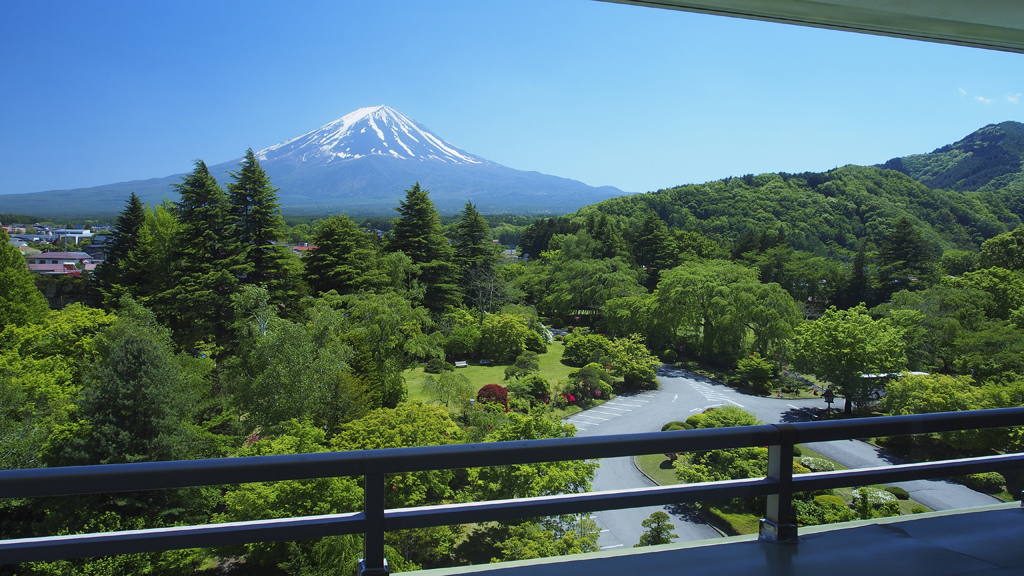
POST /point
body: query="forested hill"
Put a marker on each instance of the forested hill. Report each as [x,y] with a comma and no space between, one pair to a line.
[826,213]
[988,159]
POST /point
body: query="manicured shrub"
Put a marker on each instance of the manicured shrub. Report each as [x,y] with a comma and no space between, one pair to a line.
[829,499]
[898,492]
[797,451]
[987,482]
[818,464]
[669,356]
[918,510]
[534,388]
[535,343]
[695,420]
[668,425]
[493,393]
[800,468]
[437,365]
[582,350]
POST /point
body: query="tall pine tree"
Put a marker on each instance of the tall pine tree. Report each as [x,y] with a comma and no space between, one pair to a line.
[255,224]
[197,306]
[114,277]
[471,239]
[418,234]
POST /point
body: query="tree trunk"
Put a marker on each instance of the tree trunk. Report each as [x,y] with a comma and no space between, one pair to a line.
[848,409]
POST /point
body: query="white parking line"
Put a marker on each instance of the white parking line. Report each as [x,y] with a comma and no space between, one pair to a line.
[620,404]
[582,415]
[605,413]
[614,408]
[584,423]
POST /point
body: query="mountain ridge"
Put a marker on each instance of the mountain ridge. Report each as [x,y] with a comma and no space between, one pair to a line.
[987,159]
[360,164]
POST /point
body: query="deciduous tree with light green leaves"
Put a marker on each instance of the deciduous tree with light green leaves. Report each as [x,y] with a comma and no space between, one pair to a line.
[20,300]
[842,345]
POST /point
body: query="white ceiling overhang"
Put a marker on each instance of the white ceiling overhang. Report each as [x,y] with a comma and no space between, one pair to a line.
[990,24]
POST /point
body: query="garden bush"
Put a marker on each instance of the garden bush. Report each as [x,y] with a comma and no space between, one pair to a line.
[818,464]
[493,393]
[898,492]
[675,423]
[918,510]
[582,350]
[535,343]
[829,499]
[437,365]
[824,509]
[987,482]
[534,388]
[695,420]
[669,356]
[799,468]
[797,451]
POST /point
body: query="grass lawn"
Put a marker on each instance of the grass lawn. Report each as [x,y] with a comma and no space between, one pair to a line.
[551,368]
[658,468]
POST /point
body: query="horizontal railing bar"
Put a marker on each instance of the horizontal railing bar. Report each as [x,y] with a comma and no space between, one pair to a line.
[495,510]
[824,431]
[63,481]
[236,533]
[180,474]
[178,537]
[906,472]
[159,475]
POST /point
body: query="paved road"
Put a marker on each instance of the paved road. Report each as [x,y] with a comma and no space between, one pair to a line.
[683,394]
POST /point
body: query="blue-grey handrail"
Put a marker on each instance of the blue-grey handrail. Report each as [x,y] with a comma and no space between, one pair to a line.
[374,464]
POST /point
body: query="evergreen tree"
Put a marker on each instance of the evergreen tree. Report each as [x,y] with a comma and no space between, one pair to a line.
[418,234]
[114,277]
[346,258]
[472,240]
[653,248]
[255,224]
[20,300]
[905,260]
[197,306]
[606,231]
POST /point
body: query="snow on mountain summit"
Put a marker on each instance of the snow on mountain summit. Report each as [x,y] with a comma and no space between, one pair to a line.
[374,130]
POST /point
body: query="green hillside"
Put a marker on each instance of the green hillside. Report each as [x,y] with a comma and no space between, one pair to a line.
[989,159]
[825,213]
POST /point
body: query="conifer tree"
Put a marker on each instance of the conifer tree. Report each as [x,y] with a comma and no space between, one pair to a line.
[20,300]
[114,277]
[906,261]
[653,248]
[345,258]
[197,306]
[418,234]
[471,239]
[255,224]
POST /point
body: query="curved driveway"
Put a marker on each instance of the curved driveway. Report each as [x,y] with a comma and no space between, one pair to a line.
[683,394]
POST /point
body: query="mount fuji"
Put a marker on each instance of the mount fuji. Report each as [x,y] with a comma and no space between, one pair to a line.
[360,164]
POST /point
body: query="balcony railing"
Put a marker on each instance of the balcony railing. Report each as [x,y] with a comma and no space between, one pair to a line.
[779,485]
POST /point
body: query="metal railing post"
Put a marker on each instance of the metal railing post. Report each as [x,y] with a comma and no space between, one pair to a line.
[373,562]
[777,525]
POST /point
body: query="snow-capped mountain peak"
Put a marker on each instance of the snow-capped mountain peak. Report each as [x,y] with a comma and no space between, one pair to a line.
[374,130]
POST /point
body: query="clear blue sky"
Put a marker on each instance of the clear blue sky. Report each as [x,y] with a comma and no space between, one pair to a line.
[638,98]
